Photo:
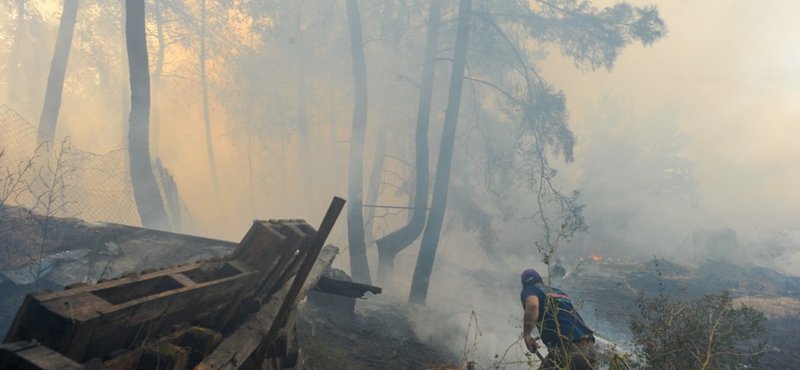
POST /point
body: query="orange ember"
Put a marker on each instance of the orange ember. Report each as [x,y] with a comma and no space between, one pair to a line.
[594,257]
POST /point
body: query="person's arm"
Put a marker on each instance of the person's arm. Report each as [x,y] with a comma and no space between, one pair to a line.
[529,320]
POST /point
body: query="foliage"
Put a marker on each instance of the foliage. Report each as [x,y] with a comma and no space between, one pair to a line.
[511,38]
[672,333]
[513,122]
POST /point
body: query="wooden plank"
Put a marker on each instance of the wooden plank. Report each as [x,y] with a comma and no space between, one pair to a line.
[119,282]
[248,238]
[90,321]
[30,302]
[307,265]
[164,310]
[296,240]
[201,342]
[279,244]
[236,348]
[345,288]
[254,248]
[47,359]
[70,321]
[291,330]
[33,356]
[164,356]
[125,361]
[315,244]
[183,279]
[17,346]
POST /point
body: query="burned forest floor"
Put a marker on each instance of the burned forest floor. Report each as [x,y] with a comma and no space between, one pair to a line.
[385,332]
[379,335]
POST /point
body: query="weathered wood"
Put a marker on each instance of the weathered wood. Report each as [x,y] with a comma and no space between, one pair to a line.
[201,342]
[291,264]
[300,364]
[164,356]
[290,330]
[183,279]
[309,263]
[130,360]
[14,333]
[305,261]
[339,296]
[260,234]
[33,356]
[122,307]
[236,348]
[280,245]
[297,239]
[331,303]
[125,361]
[98,324]
[345,288]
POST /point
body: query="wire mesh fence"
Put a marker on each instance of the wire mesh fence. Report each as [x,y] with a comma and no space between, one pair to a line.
[94,187]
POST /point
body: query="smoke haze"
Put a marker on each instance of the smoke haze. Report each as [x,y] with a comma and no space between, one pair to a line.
[698,131]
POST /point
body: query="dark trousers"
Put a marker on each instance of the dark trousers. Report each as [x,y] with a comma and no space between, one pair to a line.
[580,357]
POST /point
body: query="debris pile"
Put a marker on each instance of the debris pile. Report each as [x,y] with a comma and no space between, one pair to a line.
[234,312]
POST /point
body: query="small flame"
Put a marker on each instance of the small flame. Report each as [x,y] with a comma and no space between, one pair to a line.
[594,257]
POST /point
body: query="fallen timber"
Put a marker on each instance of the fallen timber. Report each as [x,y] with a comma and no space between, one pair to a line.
[236,312]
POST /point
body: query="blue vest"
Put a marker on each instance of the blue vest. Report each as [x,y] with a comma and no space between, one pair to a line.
[559,323]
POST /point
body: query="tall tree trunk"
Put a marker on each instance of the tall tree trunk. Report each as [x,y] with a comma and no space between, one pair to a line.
[284,166]
[58,69]
[375,175]
[305,141]
[390,245]
[125,94]
[359,266]
[145,190]
[156,112]
[12,87]
[302,113]
[334,149]
[249,123]
[433,228]
[206,115]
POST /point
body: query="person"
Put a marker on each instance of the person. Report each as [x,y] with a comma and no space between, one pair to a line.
[570,342]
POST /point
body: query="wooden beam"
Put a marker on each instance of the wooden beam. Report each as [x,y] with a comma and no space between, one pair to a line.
[262,247]
[345,288]
[237,348]
[307,265]
[90,321]
[34,356]
[166,356]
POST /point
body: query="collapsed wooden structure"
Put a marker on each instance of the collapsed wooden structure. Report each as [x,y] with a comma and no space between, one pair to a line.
[231,313]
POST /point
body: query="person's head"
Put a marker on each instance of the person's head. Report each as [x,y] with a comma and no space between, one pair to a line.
[530,276]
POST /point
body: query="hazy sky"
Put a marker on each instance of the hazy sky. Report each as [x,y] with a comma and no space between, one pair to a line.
[731,70]
[728,74]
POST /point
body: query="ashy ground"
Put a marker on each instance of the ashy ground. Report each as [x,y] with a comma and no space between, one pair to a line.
[379,335]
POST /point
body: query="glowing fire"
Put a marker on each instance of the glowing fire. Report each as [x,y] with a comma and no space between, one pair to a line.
[594,257]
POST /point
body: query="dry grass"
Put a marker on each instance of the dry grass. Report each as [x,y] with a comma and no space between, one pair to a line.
[772,307]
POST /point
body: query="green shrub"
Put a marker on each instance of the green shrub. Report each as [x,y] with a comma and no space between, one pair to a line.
[704,334]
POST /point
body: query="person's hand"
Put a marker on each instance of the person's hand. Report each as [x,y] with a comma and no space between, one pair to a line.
[530,344]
